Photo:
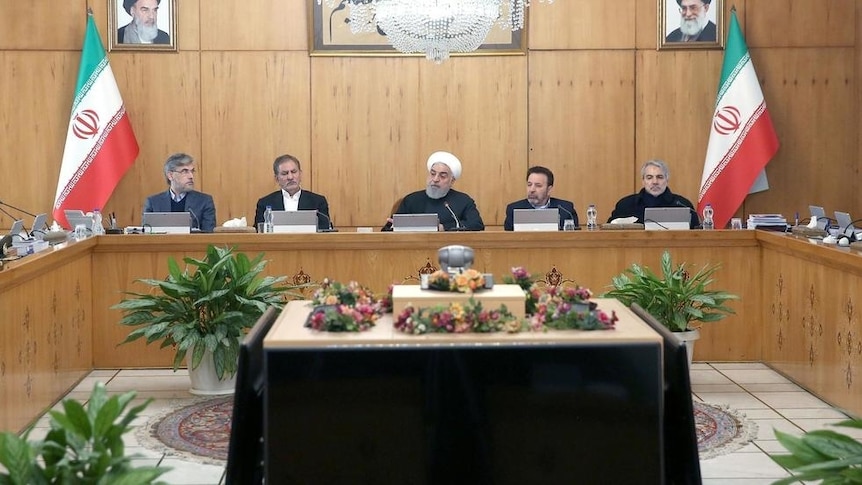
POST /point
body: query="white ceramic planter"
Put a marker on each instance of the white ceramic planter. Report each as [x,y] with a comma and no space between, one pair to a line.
[687,339]
[205,381]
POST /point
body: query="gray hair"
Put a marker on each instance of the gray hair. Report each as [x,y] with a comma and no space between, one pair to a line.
[176,160]
[656,163]
[285,158]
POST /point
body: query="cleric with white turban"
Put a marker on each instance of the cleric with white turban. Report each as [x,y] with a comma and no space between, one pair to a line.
[456,211]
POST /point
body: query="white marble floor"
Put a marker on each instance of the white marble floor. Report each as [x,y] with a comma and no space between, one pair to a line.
[755,390]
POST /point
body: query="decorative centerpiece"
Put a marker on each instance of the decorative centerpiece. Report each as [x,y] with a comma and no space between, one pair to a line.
[458,318]
[346,308]
[467,281]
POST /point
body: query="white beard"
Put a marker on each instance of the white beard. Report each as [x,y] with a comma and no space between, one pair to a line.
[435,193]
[692,27]
[147,33]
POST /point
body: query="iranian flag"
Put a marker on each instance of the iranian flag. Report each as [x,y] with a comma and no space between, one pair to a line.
[742,139]
[100,144]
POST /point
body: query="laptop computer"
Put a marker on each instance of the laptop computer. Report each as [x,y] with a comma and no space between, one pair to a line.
[845,224]
[13,235]
[667,218]
[74,218]
[536,219]
[40,225]
[414,222]
[304,221]
[820,214]
[167,222]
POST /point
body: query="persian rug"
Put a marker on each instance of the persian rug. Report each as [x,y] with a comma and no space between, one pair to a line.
[199,430]
[721,430]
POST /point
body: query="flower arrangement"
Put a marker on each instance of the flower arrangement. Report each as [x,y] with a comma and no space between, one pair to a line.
[521,277]
[457,318]
[467,281]
[570,309]
[347,307]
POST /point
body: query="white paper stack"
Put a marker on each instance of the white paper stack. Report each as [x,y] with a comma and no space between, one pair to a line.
[773,221]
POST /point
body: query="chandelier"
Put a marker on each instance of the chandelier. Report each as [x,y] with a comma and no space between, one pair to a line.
[433,27]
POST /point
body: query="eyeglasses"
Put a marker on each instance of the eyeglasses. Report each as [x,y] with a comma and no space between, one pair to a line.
[185,171]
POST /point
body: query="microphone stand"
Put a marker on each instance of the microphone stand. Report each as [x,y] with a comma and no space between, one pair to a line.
[326,216]
[17,209]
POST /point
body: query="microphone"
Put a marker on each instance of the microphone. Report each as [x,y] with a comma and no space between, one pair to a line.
[571,216]
[17,209]
[457,222]
[197,223]
[679,203]
[325,216]
[851,235]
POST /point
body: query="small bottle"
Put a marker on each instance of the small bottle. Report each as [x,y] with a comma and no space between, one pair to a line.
[98,228]
[267,220]
[708,224]
[592,214]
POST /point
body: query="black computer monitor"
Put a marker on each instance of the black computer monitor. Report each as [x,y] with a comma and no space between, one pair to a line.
[679,437]
[245,449]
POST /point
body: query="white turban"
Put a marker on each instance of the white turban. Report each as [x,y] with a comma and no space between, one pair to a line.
[447,159]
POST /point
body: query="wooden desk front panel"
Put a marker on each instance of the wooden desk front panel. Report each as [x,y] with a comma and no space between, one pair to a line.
[381,259]
[811,315]
[45,331]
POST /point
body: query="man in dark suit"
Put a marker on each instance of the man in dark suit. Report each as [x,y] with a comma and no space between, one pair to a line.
[693,24]
[291,197]
[456,211]
[540,184]
[143,29]
[655,193]
[181,196]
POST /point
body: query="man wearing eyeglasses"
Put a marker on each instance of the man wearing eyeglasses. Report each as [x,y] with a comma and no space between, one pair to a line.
[181,195]
[694,26]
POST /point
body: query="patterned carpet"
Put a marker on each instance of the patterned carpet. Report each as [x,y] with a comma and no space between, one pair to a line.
[200,431]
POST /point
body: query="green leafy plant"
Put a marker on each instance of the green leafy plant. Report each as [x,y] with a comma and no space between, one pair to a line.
[84,446]
[209,305]
[824,455]
[676,298]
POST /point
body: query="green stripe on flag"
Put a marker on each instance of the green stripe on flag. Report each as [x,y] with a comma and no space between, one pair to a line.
[735,57]
[93,62]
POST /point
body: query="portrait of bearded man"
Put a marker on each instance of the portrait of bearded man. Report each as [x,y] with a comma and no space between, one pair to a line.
[144,28]
[694,23]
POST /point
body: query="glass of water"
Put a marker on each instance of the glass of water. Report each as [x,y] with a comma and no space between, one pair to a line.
[736,223]
[569,225]
[80,232]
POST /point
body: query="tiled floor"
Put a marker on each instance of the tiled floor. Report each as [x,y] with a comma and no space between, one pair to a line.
[763,395]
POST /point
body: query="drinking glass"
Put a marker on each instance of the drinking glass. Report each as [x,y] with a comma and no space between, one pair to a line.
[569,225]
[736,223]
[80,232]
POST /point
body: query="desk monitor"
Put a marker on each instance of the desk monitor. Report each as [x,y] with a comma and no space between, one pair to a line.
[303,221]
[40,225]
[536,219]
[167,222]
[679,435]
[667,218]
[845,224]
[245,447]
[414,222]
[820,214]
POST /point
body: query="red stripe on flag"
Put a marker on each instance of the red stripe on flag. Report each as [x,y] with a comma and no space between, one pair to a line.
[98,181]
[730,187]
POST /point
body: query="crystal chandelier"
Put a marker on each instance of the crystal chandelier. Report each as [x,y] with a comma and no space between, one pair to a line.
[435,27]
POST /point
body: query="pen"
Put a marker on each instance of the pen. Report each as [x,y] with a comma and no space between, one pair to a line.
[797,219]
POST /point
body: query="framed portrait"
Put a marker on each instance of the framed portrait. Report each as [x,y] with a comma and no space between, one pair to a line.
[690,24]
[142,25]
[330,35]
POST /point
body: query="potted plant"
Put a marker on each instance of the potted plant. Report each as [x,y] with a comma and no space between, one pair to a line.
[84,445]
[204,310]
[676,298]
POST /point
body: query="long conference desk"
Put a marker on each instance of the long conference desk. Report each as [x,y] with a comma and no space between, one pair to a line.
[800,309]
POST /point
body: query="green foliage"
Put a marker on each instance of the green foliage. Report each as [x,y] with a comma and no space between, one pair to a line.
[209,307]
[84,446]
[676,298]
[824,455]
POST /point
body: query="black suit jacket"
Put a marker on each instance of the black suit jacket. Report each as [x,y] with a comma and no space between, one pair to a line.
[308,200]
[708,34]
[460,204]
[161,38]
[199,204]
[567,211]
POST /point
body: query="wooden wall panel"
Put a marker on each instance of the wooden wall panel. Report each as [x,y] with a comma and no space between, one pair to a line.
[583,24]
[673,116]
[42,25]
[365,116]
[482,119]
[809,94]
[800,23]
[255,25]
[260,102]
[166,118]
[578,126]
[31,85]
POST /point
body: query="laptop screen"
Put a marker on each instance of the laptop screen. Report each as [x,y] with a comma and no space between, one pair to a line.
[667,218]
[304,221]
[820,214]
[170,222]
[536,219]
[414,222]
[845,223]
